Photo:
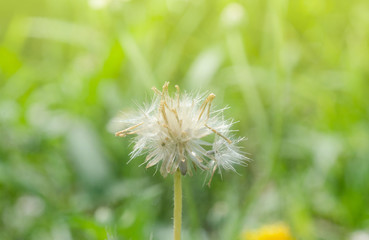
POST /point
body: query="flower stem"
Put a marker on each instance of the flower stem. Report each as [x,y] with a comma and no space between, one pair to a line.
[177,205]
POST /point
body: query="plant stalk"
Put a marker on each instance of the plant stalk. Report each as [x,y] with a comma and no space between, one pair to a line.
[177,222]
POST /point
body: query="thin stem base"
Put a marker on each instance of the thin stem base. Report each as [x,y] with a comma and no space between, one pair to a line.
[177,206]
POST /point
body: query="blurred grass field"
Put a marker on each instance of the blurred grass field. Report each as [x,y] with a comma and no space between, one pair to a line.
[294,73]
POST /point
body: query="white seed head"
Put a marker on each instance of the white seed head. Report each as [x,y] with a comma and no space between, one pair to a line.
[182,133]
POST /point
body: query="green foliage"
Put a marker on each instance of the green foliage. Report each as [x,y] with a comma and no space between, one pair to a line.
[294,73]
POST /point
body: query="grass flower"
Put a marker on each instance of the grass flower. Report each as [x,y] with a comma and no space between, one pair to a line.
[173,133]
[180,134]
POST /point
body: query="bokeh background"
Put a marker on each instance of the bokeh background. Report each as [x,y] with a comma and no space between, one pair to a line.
[294,73]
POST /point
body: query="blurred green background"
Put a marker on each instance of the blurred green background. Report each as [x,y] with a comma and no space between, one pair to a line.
[294,73]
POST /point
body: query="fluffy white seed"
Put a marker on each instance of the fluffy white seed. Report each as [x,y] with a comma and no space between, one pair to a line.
[182,133]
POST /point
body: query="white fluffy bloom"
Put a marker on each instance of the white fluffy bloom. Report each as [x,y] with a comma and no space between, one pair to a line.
[182,133]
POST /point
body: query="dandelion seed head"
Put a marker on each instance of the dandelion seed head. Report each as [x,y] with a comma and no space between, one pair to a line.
[172,131]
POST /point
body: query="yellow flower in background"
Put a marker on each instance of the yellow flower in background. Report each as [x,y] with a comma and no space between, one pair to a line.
[277,231]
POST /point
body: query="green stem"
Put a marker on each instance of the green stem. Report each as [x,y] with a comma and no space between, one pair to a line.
[177,205]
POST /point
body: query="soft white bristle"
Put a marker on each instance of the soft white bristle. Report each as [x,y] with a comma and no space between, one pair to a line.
[171,131]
